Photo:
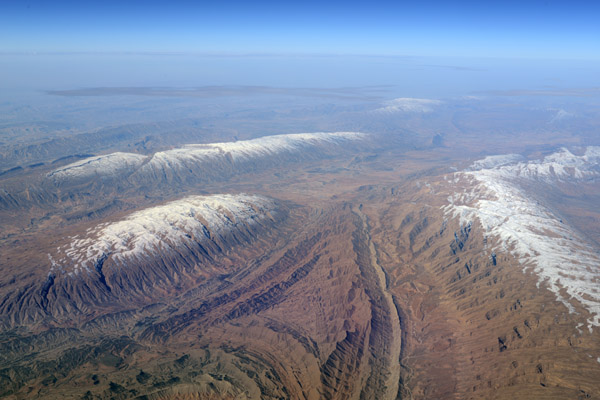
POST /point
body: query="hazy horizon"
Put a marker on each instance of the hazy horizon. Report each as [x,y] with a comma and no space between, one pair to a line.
[425,49]
[299,200]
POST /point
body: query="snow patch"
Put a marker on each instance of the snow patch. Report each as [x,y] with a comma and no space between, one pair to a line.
[409,105]
[561,115]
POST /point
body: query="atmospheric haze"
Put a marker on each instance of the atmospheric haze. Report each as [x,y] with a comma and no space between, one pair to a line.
[299,200]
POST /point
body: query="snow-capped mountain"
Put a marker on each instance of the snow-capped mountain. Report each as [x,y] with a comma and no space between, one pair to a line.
[184,223]
[160,250]
[202,159]
[561,165]
[498,196]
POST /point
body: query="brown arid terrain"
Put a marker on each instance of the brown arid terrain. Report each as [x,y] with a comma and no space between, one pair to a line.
[341,269]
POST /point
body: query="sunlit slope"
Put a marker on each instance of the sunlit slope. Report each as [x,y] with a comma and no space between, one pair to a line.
[370,276]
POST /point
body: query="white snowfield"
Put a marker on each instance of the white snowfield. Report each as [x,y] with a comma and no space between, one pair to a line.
[247,150]
[562,165]
[170,226]
[106,165]
[244,150]
[557,254]
[495,161]
[409,105]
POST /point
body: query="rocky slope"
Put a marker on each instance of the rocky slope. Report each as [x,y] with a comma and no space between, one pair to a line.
[143,257]
[342,278]
[501,199]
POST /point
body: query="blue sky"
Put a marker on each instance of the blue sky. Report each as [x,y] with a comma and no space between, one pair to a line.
[510,29]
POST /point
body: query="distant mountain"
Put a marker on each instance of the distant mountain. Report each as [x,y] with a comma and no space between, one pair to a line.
[176,169]
[203,160]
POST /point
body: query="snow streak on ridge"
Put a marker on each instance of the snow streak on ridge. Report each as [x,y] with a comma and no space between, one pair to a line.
[495,161]
[106,165]
[178,223]
[560,166]
[531,232]
[244,150]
